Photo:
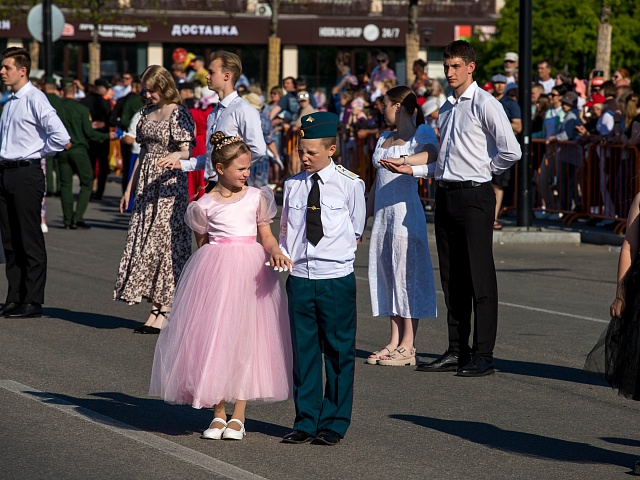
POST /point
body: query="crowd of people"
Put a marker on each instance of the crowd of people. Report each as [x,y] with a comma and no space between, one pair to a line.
[226,332]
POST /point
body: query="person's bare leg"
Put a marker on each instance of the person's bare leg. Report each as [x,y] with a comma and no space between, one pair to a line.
[238,413]
[499,191]
[160,318]
[395,338]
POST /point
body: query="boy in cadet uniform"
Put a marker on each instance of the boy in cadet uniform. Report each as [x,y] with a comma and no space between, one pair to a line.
[323,217]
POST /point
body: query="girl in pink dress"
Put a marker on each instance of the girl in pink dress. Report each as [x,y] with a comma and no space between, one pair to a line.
[227,337]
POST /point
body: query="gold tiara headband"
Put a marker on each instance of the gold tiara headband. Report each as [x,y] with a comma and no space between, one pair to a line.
[225,141]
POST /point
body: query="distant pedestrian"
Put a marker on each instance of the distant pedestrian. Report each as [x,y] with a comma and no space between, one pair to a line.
[30,130]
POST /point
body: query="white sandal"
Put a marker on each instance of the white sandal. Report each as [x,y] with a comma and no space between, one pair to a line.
[375,356]
[214,433]
[231,434]
[399,358]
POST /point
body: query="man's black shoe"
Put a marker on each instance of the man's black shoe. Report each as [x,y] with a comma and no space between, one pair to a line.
[297,436]
[477,367]
[8,308]
[27,310]
[70,227]
[326,437]
[447,362]
[81,225]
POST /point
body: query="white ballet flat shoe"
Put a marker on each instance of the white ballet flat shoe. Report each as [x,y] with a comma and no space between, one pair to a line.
[214,433]
[231,434]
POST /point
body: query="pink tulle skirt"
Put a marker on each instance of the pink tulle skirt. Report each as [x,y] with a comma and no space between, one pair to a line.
[227,336]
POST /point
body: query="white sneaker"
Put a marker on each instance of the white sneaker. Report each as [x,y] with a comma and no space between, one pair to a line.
[214,433]
[44,228]
[231,434]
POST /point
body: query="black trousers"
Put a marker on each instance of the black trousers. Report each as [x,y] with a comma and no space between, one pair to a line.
[126,163]
[464,236]
[21,193]
[99,152]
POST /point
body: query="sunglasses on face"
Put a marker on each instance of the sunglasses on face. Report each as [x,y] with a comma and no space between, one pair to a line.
[303,97]
[381,60]
[554,94]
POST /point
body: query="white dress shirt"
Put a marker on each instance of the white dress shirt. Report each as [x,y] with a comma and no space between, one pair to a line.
[342,209]
[233,116]
[476,139]
[132,131]
[30,128]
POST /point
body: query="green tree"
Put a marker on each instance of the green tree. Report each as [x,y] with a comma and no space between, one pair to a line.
[565,33]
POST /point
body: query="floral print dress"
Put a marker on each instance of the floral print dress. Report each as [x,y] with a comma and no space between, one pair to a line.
[159,241]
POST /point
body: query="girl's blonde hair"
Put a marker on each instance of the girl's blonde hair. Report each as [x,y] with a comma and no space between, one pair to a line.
[226,149]
[158,79]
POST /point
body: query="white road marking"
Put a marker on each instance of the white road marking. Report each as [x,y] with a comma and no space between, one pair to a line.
[533,309]
[166,446]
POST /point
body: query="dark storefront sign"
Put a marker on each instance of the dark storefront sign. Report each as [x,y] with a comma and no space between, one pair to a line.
[247,30]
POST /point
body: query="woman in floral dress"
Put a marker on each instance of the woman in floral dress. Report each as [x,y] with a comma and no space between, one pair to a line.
[158,242]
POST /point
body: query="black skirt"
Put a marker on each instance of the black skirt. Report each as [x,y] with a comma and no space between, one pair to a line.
[616,356]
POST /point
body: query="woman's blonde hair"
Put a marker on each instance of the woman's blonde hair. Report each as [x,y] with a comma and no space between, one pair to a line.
[226,149]
[157,79]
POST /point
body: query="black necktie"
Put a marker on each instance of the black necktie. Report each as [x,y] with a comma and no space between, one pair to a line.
[314,220]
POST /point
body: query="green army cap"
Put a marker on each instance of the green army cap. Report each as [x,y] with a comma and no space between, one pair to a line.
[319,125]
[66,81]
[50,81]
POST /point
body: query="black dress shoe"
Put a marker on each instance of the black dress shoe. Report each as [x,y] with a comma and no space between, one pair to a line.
[26,310]
[477,367]
[8,308]
[147,330]
[327,437]
[297,436]
[71,226]
[447,362]
[82,225]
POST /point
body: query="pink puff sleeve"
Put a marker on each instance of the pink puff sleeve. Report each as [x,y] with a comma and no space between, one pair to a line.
[267,207]
[196,218]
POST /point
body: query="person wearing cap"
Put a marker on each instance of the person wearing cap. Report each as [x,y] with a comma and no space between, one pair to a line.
[305,107]
[77,120]
[187,94]
[569,160]
[232,116]
[322,220]
[430,111]
[198,74]
[476,140]
[544,76]
[100,117]
[30,130]
[514,114]
[510,63]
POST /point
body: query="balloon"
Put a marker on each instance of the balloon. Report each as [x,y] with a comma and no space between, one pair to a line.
[189,59]
[179,55]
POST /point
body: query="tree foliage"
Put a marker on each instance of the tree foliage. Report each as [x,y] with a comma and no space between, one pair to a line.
[565,32]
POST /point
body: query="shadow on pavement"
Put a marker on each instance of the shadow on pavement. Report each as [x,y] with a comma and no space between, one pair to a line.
[149,414]
[622,441]
[554,372]
[95,320]
[522,443]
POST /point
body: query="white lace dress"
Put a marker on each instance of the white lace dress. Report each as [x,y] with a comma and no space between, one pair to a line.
[400,272]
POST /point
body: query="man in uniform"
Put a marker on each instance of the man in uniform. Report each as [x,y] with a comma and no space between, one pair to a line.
[99,151]
[77,120]
[323,217]
[50,90]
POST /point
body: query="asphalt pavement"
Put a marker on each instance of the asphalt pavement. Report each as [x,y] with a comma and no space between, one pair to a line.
[74,403]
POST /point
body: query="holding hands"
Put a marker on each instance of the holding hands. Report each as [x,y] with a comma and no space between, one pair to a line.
[171,161]
[280,262]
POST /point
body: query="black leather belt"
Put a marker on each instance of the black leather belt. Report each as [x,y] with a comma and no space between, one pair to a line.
[19,163]
[459,185]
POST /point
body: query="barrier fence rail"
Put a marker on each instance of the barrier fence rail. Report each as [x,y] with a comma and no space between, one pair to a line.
[574,181]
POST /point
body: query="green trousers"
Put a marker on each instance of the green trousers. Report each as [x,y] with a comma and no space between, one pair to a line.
[323,323]
[52,166]
[74,160]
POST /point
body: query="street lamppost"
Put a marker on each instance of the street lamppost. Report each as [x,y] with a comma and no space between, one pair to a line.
[524,80]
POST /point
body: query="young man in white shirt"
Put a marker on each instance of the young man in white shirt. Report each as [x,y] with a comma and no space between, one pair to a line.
[476,141]
[30,130]
[232,116]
